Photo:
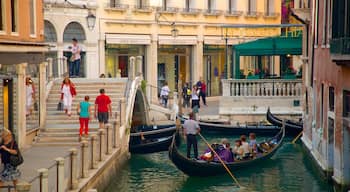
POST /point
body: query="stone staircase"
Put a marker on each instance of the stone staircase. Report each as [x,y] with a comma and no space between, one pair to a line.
[63,130]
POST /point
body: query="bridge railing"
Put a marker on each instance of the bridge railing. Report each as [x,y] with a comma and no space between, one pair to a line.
[261,87]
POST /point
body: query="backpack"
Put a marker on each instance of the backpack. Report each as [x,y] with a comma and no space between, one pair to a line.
[189,92]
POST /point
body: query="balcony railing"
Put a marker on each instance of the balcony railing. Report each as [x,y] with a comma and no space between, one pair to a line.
[271,14]
[143,8]
[116,6]
[340,46]
[233,13]
[190,11]
[262,87]
[302,4]
[252,14]
[167,9]
[212,12]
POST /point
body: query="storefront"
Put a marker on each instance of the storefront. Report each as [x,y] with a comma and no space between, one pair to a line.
[174,63]
[117,58]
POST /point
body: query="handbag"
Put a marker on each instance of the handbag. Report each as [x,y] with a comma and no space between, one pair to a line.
[16,160]
[60,106]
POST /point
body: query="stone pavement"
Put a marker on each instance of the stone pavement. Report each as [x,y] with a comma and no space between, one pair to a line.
[211,111]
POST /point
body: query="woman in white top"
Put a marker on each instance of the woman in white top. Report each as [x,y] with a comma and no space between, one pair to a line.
[67,94]
[195,99]
[245,146]
[164,94]
[29,95]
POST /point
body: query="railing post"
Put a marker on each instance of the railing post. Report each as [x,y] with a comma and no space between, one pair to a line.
[226,89]
[108,139]
[132,68]
[115,131]
[23,187]
[60,174]
[73,184]
[50,68]
[64,66]
[138,66]
[44,182]
[101,134]
[93,152]
[84,159]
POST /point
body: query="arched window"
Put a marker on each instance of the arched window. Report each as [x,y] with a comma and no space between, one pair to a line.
[49,32]
[74,30]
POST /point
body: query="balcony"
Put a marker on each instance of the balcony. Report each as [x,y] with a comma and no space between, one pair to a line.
[116,7]
[170,10]
[212,12]
[252,14]
[190,11]
[340,50]
[143,8]
[233,13]
[302,9]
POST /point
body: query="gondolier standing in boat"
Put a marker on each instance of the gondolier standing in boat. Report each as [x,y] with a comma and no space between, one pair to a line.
[191,130]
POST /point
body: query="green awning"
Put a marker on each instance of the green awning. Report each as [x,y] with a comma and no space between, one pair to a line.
[289,45]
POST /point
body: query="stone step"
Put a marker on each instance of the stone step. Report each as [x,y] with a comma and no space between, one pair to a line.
[60,144]
[94,92]
[66,128]
[70,121]
[64,134]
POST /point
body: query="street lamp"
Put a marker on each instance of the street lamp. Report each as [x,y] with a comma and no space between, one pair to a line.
[174,32]
[91,20]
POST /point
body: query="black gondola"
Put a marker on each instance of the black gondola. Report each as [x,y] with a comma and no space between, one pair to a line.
[292,128]
[200,168]
[150,139]
[260,129]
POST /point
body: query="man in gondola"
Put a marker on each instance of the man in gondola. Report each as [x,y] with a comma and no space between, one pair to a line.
[191,130]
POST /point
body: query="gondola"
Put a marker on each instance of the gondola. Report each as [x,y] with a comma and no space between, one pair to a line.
[150,140]
[214,128]
[292,128]
[200,168]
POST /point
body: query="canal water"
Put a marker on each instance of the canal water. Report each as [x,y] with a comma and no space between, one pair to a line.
[289,170]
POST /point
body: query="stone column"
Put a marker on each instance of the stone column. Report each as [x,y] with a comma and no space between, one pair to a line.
[21,104]
[84,159]
[102,58]
[197,62]
[93,146]
[73,183]
[152,70]
[116,126]
[139,66]
[108,139]
[44,182]
[101,135]
[42,94]
[23,187]
[60,174]
[131,68]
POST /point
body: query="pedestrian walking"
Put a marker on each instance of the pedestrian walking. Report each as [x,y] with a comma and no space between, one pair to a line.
[203,92]
[9,148]
[75,60]
[164,94]
[84,110]
[102,107]
[68,92]
[30,96]
[191,130]
[186,95]
[199,87]
[195,101]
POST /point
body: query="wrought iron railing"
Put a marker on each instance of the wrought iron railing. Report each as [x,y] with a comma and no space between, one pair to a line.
[252,13]
[116,5]
[167,9]
[271,14]
[190,11]
[340,46]
[212,12]
[143,8]
[234,12]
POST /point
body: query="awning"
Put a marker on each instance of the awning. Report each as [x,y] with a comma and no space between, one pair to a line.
[179,40]
[289,45]
[128,39]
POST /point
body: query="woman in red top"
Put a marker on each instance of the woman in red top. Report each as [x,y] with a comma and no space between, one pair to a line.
[68,92]
[203,92]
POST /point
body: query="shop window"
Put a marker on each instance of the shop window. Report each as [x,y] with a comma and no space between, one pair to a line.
[32,16]
[346,103]
[2,15]
[14,15]
[331,98]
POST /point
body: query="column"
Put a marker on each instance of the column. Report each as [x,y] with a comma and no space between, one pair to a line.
[131,68]
[42,93]
[23,187]
[91,69]
[73,183]
[60,174]
[102,66]
[44,181]
[197,61]
[138,66]
[152,70]
[21,100]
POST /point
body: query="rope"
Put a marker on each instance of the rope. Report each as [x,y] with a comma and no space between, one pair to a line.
[221,161]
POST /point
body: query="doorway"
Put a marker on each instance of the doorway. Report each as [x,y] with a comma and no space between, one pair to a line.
[330,150]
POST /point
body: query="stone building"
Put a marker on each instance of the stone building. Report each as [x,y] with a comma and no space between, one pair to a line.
[181,40]
[327,84]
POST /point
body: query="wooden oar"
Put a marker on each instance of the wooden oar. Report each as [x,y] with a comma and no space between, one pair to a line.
[297,137]
[221,161]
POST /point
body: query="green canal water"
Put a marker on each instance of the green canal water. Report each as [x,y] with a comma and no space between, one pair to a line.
[289,170]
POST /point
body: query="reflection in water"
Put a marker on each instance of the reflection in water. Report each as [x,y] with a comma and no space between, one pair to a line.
[286,171]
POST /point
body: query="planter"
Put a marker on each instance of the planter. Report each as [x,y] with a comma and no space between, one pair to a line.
[253,77]
[289,76]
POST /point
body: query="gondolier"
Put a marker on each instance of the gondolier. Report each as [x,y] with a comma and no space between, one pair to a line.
[191,129]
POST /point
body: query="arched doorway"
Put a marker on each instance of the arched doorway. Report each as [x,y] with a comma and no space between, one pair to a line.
[75,30]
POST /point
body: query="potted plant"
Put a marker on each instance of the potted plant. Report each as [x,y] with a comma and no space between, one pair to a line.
[253,74]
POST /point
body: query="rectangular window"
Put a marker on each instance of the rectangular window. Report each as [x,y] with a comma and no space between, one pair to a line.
[164,5]
[321,107]
[14,16]
[316,22]
[251,7]
[331,99]
[269,7]
[346,103]
[232,5]
[114,3]
[306,102]
[142,4]
[187,5]
[325,22]
[210,5]
[2,15]
[32,11]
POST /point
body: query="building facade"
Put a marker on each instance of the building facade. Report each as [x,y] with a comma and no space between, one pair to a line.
[179,40]
[327,85]
[65,20]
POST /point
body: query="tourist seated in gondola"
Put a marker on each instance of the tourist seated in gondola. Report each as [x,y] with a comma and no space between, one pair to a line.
[245,146]
[238,150]
[224,152]
[252,144]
